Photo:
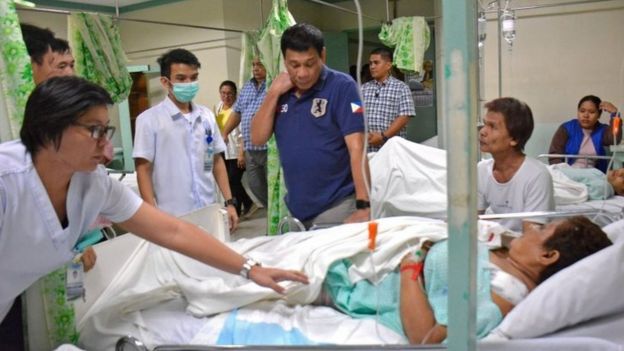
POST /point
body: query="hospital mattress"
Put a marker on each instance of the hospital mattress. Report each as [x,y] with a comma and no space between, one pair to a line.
[609,210]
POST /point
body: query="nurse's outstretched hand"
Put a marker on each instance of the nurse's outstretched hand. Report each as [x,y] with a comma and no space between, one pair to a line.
[269,277]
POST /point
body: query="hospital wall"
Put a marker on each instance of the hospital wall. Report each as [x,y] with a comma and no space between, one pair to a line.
[218,51]
[560,54]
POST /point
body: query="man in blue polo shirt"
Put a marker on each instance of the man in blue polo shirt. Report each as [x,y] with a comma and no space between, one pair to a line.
[316,115]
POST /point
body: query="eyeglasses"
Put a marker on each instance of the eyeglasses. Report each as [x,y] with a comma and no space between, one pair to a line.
[98,131]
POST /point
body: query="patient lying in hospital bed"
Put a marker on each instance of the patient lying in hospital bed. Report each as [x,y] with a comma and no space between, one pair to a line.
[504,278]
[148,296]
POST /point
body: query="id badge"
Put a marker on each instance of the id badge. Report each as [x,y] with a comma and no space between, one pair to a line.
[74,281]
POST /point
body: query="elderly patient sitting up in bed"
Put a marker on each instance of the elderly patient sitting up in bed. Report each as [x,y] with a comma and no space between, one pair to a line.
[504,278]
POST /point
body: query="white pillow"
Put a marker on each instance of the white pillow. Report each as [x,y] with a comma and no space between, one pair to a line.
[614,230]
[588,289]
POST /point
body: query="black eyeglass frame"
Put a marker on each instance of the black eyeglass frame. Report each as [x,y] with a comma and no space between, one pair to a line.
[98,131]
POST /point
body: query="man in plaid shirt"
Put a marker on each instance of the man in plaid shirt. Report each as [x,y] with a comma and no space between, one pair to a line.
[244,110]
[388,102]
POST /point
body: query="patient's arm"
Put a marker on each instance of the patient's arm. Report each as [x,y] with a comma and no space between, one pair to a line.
[417,317]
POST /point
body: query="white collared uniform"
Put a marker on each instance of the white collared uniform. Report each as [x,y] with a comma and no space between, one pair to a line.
[32,240]
[177,147]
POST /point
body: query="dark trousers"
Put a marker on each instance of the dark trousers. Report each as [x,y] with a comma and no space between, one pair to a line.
[11,330]
[235,175]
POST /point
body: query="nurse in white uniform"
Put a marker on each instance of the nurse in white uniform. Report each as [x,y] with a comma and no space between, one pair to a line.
[52,189]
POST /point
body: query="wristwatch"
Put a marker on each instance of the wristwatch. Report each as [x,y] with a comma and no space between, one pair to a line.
[247,266]
[362,204]
[384,137]
[229,202]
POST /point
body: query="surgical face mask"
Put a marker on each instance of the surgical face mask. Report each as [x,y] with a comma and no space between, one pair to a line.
[185,92]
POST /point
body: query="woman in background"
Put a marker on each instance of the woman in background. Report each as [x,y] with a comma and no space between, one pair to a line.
[584,135]
[234,152]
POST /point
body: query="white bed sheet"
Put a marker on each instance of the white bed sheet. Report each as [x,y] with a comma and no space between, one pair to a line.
[609,328]
[169,324]
[611,210]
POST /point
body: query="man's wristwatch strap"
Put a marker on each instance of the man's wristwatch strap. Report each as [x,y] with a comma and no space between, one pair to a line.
[362,204]
[384,137]
[229,202]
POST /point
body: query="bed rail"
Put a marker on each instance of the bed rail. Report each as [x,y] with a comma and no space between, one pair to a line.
[565,157]
[130,343]
[297,348]
[537,214]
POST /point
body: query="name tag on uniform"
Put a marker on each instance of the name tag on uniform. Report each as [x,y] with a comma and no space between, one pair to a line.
[319,107]
[74,281]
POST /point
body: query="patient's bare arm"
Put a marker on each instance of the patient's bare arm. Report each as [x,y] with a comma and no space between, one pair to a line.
[417,318]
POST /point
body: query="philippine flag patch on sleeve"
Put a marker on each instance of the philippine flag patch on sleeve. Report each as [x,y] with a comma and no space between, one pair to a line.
[356,107]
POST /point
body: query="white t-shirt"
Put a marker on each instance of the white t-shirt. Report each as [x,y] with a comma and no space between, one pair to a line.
[530,189]
[181,151]
[32,241]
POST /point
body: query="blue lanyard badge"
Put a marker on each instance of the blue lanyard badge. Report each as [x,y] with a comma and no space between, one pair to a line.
[208,136]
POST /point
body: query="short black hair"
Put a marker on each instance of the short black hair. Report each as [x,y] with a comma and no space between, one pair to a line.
[176,56]
[301,37]
[54,105]
[575,238]
[60,46]
[385,53]
[230,84]
[38,41]
[518,118]
[593,98]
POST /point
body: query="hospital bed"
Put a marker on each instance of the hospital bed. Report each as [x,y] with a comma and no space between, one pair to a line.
[410,179]
[604,211]
[167,324]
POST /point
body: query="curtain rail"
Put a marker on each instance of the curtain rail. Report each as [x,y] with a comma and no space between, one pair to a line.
[64,12]
[344,9]
[570,3]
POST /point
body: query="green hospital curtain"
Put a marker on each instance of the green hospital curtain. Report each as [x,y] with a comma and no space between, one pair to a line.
[16,81]
[271,57]
[409,36]
[248,51]
[96,46]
